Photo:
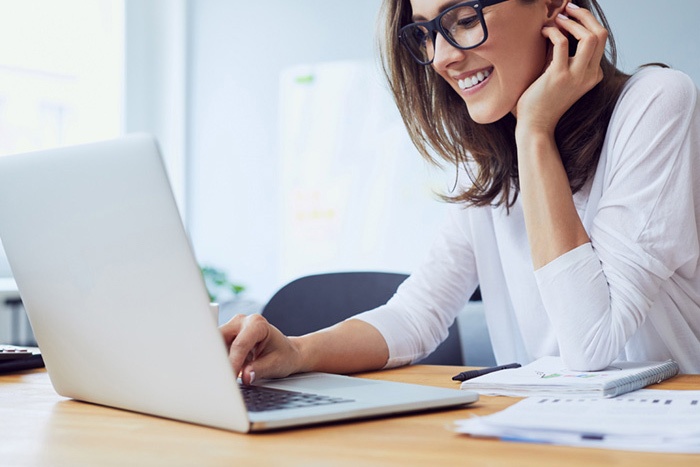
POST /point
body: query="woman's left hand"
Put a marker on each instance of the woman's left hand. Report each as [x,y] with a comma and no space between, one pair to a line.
[565,79]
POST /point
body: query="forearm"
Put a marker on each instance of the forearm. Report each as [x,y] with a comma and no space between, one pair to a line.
[552,223]
[592,332]
[347,347]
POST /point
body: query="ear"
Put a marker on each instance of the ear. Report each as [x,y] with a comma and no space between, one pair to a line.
[554,7]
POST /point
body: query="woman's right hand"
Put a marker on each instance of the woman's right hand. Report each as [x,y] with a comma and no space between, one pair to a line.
[565,79]
[257,349]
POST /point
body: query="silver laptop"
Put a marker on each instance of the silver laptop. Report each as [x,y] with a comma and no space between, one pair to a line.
[119,308]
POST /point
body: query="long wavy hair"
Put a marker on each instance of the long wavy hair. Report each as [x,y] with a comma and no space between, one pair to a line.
[440,126]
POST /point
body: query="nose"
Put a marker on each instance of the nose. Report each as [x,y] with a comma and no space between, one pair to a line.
[445,53]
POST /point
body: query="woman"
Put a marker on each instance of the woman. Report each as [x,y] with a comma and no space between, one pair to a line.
[576,208]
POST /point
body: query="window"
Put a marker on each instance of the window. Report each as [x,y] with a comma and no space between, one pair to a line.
[61,72]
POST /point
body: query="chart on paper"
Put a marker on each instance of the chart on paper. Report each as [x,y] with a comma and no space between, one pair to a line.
[644,420]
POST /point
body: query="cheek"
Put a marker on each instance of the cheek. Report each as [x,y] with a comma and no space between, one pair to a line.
[522,64]
[538,57]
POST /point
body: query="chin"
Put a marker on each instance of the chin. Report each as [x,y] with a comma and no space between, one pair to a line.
[484,121]
[484,118]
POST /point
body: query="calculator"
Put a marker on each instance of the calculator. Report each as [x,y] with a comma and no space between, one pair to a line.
[11,352]
[17,358]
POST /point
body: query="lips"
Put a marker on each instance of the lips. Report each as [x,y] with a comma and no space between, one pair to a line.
[473,80]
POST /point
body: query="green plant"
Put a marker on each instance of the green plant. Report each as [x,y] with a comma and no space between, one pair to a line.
[217,282]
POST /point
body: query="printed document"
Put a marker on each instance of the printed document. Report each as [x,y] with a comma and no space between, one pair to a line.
[643,420]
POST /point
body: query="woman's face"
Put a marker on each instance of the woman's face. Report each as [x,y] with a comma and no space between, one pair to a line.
[504,66]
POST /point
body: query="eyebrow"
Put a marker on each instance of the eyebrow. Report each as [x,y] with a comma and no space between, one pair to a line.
[444,6]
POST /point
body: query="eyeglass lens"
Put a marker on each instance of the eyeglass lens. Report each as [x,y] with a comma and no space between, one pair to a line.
[461,26]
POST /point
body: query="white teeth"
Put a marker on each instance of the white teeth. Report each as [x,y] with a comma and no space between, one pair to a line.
[471,81]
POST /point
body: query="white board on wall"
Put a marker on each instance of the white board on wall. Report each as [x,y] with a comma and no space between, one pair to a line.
[355,193]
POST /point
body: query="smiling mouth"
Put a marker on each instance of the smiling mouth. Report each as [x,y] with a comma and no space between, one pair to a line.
[471,81]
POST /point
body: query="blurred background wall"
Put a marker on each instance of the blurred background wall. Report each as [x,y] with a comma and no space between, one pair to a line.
[286,154]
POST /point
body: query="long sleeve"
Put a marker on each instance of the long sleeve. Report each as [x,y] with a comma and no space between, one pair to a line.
[416,320]
[633,292]
[644,236]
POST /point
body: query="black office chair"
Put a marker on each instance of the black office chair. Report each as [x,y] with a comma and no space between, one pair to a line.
[314,302]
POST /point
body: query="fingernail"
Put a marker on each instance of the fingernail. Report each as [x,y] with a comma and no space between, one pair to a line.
[560,16]
[252,377]
[573,6]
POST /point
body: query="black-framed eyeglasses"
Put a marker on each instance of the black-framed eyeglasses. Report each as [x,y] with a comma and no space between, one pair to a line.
[461,25]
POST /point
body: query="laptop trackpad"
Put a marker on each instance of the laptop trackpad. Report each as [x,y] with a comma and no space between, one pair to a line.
[319,382]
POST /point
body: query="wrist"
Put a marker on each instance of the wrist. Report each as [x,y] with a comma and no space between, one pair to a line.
[535,143]
[302,355]
[530,132]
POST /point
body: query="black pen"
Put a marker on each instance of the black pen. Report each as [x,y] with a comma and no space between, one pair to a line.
[465,375]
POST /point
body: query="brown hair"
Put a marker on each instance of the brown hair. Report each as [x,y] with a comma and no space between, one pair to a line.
[439,124]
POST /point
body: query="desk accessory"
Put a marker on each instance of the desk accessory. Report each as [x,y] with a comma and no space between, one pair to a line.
[465,375]
[14,358]
[549,376]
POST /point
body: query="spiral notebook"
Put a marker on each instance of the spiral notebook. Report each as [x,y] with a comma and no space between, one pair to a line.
[549,376]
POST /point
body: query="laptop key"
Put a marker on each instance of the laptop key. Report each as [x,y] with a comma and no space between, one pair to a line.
[260,399]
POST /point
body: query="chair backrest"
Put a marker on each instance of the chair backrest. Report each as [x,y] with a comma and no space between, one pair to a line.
[314,302]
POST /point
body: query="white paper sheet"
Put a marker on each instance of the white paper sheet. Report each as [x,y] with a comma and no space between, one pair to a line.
[644,420]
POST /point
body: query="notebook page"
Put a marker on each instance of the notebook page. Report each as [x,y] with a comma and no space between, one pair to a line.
[549,376]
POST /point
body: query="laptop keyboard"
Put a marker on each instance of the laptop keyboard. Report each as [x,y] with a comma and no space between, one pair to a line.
[260,399]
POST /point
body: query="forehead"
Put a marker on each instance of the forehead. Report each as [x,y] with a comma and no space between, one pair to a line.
[429,9]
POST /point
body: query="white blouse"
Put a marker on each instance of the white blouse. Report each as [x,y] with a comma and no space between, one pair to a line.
[632,293]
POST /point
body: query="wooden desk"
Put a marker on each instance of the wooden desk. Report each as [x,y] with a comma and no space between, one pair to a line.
[38,427]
